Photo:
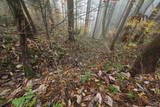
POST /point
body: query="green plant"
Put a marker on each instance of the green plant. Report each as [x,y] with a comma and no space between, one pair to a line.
[1,101]
[94,65]
[86,77]
[106,67]
[114,65]
[28,100]
[57,105]
[112,89]
[118,66]
[121,76]
[131,96]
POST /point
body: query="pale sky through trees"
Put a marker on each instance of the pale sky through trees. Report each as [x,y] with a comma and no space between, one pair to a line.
[120,6]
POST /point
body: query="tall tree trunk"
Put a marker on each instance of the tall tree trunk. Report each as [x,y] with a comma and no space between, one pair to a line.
[70,6]
[24,29]
[120,27]
[44,17]
[155,14]
[143,11]
[63,8]
[87,16]
[76,14]
[110,18]
[104,18]
[57,11]
[98,12]
[138,7]
[28,16]
[50,13]
[147,61]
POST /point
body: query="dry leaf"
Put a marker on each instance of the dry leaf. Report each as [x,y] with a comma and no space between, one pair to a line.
[98,98]
[79,99]
[109,101]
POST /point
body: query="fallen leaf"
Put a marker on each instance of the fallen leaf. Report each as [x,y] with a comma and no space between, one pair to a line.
[5,92]
[98,98]
[112,78]
[19,66]
[79,99]
[109,101]
[42,89]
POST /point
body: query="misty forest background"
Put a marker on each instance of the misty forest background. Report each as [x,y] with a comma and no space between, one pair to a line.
[79,53]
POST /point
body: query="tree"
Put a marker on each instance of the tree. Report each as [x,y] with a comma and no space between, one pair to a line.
[104,18]
[111,11]
[120,27]
[57,11]
[29,18]
[148,4]
[76,15]
[147,61]
[70,10]
[155,14]
[98,12]
[87,16]
[43,10]
[138,7]
[24,28]
[50,13]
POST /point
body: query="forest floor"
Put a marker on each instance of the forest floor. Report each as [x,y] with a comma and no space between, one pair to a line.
[79,74]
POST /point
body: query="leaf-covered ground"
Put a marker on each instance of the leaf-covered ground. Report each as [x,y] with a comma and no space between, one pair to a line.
[79,74]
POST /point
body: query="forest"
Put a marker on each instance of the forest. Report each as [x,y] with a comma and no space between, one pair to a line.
[79,53]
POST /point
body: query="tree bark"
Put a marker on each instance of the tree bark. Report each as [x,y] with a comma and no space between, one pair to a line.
[120,27]
[110,17]
[155,14]
[24,29]
[87,16]
[147,61]
[104,18]
[138,7]
[98,12]
[28,16]
[44,18]
[70,7]
[143,11]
